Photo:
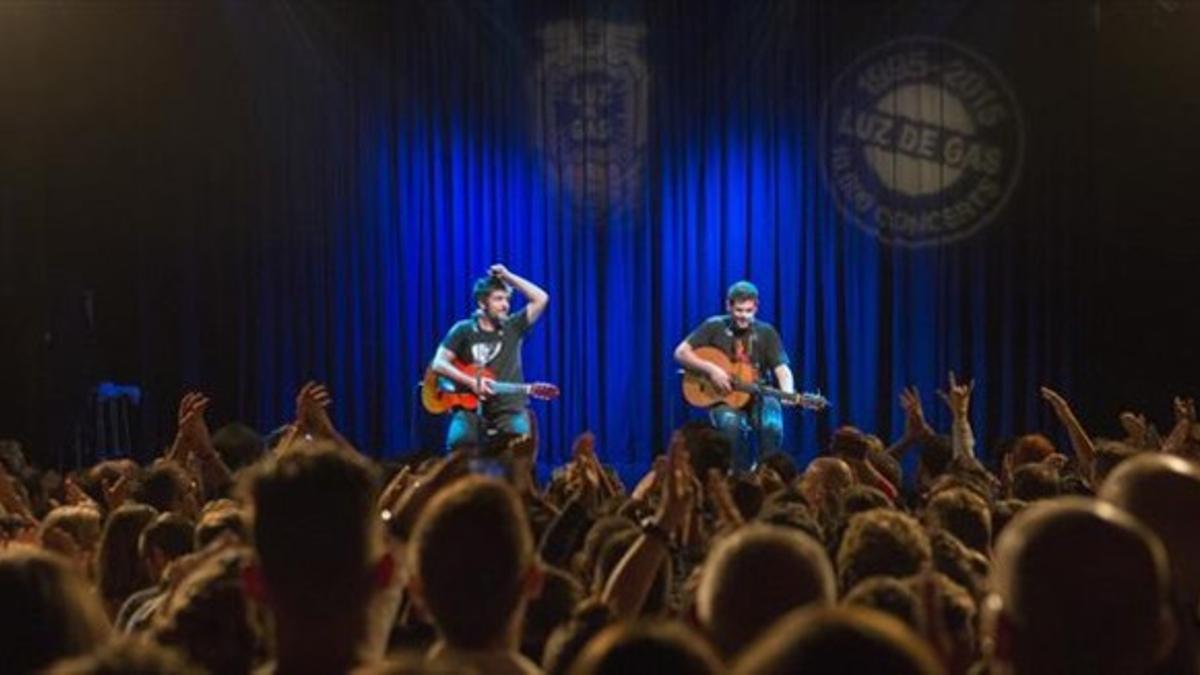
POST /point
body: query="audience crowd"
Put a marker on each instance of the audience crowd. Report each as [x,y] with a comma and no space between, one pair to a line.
[233,553]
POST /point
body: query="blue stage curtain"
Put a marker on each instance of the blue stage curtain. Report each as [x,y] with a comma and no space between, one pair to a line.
[402,154]
[296,189]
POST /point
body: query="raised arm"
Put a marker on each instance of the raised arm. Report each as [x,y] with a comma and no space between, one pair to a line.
[193,448]
[958,399]
[1185,417]
[631,579]
[1081,443]
[312,419]
[916,429]
[538,298]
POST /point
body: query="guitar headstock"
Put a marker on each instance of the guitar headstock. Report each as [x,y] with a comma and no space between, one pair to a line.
[543,391]
[811,401]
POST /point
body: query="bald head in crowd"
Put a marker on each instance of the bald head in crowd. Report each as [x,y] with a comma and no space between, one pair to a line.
[756,575]
[1079,586]
[1163,492]
[824,481]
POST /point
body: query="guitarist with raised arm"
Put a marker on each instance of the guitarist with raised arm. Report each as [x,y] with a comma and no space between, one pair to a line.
[489,340]
[751,346]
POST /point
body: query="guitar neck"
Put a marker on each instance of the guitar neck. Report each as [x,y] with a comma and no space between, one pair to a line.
[762,390]
[511,387]
[772,392]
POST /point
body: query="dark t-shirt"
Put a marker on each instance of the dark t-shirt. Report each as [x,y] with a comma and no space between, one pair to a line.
[499,351]
[758,345]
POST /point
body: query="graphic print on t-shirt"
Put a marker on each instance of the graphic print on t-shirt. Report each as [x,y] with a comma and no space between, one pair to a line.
[482,353]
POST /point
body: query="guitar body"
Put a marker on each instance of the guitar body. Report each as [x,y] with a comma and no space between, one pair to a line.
[699,391]
[441,395]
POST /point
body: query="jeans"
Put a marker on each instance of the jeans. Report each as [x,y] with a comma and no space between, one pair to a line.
[465,427]
[764,415]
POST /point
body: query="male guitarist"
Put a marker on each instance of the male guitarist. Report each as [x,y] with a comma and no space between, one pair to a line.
[491,338]
[745,340]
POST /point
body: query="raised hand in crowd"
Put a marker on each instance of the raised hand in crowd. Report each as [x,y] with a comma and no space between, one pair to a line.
[1137,428]
[629,584]
[12,500]
[193,447]
[583,453]
[312,419]
[1182,434]
[957,398]
[915,425]
[1081,443]
[406,508]
[729,517]
[916,428]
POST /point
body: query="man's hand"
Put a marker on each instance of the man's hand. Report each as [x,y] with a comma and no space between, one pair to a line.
[1135,426]
[728,515]
[675,502]
[1185,410]
[192,438]
[1056,401]
[720,379]
[500,271]
[915,426]
[421,489]
[483,387]
[311,415]
[958,396]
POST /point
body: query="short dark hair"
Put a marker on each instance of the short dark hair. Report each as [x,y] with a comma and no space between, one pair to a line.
[707,447]
[315,504]
[888,595]
[741,291]
[747,494]
[470,550]
[859,498]
[163,486]
[1034,481]
[881,541]
[629,647]
[791,514]
[839,640]
[782,464]
[214,523]
[238,445]
[756,575]
[560,593]
[964,514]
[569,639]
[485,286]
[170,533]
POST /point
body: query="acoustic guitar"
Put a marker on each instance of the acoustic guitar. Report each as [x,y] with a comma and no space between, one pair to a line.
[700,391]
[440,394]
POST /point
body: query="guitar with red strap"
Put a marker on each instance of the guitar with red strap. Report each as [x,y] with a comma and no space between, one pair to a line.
[441,394]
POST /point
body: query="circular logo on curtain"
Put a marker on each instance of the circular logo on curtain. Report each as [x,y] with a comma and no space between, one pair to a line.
[923,141]
[590,95]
